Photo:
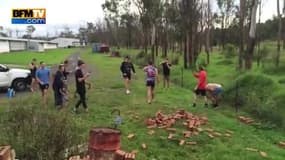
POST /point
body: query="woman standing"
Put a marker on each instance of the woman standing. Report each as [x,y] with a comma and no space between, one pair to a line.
[151,76]
[33,69]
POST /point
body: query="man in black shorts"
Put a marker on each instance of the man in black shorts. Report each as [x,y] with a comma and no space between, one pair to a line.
[43,77]
[166,72]
[127,68]
[80,79]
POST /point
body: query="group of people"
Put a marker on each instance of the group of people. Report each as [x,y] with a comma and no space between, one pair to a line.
[210,90]
[42,76]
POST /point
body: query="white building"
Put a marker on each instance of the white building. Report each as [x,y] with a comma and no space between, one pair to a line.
[8,44]
[67,42]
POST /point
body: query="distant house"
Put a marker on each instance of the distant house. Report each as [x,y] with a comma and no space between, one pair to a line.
[40,46]
[8,44]
[67,42]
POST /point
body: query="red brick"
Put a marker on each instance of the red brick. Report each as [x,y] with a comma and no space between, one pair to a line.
[5,153]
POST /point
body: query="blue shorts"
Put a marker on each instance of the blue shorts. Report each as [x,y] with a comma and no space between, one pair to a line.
[218,91]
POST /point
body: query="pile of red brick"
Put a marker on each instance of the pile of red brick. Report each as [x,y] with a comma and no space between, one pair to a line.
[191,121]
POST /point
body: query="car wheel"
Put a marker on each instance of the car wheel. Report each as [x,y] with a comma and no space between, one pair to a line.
[19,84]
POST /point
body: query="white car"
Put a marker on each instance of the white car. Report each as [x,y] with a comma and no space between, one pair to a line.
[18,79]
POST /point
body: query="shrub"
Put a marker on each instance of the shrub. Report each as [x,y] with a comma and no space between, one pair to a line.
[225,62]
[255,96]
[38,134]
[229,51]
[281,81]
[175,60]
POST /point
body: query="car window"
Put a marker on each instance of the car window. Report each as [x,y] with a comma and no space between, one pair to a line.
[3,69]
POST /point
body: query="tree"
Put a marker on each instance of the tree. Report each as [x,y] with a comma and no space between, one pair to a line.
[241,26]
[208,29]
[252,35]
[227,9]
[30,30]
[1,32]
[67,33]
[279,34]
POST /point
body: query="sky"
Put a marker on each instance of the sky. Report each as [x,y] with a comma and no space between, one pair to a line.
[75,13]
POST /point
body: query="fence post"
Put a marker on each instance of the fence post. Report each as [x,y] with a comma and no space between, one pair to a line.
[182,76]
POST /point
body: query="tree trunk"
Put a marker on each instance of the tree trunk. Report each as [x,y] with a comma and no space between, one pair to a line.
[186,50]
[207,46]
[279,34]
[258,36]
[223,33]
[153,43]
[252,36]
[283,21]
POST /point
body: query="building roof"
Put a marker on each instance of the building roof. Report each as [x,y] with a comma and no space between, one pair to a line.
[25,40]
[65,39]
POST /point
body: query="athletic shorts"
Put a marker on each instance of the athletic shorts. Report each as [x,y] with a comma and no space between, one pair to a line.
[44,86]
[217,91]
[201,92]
[166,76]
[150,84]
[127,75]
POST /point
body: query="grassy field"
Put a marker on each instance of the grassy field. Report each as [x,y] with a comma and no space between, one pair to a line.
[107,94]
[24,57]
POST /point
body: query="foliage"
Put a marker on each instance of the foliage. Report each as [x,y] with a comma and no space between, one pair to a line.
[254,94]
[37,134]
[225,62]
[229,51]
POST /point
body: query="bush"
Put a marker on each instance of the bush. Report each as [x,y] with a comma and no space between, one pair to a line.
[38,134]
[255,96]
[273,70]
[229,51]
[175,60]
[281,81]
[225,62]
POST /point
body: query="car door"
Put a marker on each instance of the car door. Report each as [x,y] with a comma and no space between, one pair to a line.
[4,76]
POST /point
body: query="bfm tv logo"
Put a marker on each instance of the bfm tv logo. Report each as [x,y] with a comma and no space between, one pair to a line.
[29,16]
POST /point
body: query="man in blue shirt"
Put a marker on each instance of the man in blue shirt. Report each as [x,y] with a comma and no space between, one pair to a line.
[43,77]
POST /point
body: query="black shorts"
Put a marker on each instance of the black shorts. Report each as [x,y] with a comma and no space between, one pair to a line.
[150,84]
[201,92]
[44,86]
[127,76]
[166,76]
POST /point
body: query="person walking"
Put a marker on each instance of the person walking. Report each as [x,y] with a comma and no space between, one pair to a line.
[200,88]
[80,79]
[127,68]
[43,77]
[151,77]
[166,66]
[33,69]
[58,85]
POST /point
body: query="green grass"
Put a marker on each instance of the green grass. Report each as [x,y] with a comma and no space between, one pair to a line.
[24,57]
[108,94]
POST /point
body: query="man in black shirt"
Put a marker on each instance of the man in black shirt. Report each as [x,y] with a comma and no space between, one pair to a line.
[126,68]
[80,85]
[166,72]
[58,86]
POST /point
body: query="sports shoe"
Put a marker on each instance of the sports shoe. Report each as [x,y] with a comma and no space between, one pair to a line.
[128,91]
[75,111]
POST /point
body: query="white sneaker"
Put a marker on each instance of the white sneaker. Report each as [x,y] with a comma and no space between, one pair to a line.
[128,91]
